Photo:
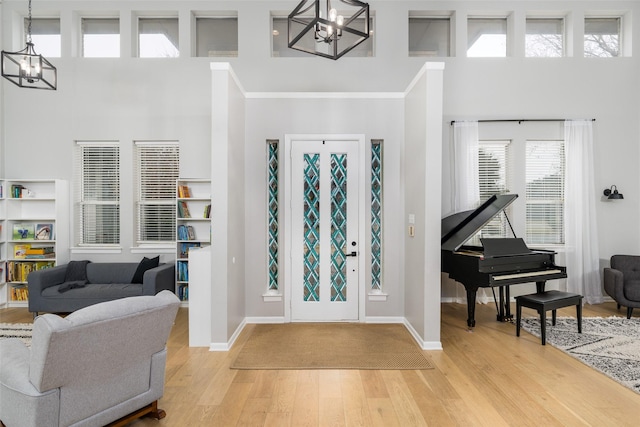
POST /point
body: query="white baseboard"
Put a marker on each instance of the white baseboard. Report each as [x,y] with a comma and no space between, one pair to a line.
[226,346]
[424,345]
[267,319]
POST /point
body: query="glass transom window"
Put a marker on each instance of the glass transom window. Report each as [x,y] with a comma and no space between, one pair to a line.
[601,37]
[487,37]
[100,37]
[544,38]
[429,36]
[217,36]
[158,38]
[45,35]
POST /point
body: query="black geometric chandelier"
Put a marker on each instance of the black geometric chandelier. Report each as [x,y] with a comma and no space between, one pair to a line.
[26,68]
[316,27]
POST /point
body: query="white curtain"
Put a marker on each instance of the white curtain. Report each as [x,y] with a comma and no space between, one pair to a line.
[466,187]
[466,190]
[581,237]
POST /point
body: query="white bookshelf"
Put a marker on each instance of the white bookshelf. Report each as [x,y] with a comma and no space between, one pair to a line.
[193,226]
[3,246]
[34,215]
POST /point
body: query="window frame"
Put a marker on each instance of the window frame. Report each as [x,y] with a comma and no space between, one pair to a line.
[94,19]
[546,201]
[197,35]
[34,35]
[435,18]
[141,19]
[80,199]
[620,34]
[166,204]
[563,34]
[507,35]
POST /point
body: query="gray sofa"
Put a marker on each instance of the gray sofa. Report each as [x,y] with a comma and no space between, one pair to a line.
[622,281]
[97,365]
[51,291]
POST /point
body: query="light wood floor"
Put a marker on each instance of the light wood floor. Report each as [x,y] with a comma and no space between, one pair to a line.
[485,378]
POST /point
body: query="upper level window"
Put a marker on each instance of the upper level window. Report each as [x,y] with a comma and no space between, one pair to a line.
[487,37]
[97,195]
[217,36]
[158,38]
[100,37]
[545,166]
[157,169]
[280,44]
[45,35]
[429,36]
[601,37]
[544,38]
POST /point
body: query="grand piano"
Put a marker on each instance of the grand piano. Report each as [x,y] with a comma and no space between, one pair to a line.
[499,262]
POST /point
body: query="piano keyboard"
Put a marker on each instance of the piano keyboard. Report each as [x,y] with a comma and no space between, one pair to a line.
[526,274]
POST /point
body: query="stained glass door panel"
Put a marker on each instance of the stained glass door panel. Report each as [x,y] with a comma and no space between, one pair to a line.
[324,212]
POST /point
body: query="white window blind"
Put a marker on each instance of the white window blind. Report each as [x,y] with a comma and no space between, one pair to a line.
[492,179]
[217,36]
[544,37]
[429,36]
[45,35]
[158,38]
[601,37]
[487,37]
[157,169]
[101,37]
[97,194]
[545,168]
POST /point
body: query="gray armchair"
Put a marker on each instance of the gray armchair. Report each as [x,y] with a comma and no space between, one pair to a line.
[622,281]
[99,364]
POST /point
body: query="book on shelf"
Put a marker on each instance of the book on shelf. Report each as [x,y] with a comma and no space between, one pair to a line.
[16,191]
[19,293]
[186,232]
[20,251]
[185,247]
[44,232]
[40,256]
[183,292]
[183,210]
[183,271]
[18,271]
[24,231]
[184,192]
[207,211]
[40,250]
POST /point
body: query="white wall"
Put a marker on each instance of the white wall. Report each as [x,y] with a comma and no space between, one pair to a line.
[422,171]
[377,118]
[228,205]
[131,98]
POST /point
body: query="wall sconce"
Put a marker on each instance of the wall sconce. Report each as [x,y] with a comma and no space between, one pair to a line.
[612,193]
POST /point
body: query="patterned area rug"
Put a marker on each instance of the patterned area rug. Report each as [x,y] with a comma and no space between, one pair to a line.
[610,345]
[16,330]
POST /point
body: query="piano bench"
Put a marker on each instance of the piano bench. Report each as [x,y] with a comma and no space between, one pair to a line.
[545,301]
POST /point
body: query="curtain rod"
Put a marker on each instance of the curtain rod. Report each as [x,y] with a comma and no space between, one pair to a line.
[514,120]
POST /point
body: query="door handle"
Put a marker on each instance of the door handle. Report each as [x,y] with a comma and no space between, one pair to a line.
[353,253]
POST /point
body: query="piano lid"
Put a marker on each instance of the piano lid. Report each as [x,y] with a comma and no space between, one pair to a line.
[460,227]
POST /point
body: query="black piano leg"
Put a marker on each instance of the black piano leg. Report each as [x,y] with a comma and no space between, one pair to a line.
[471,307]
[507,305]
[504,312]
[540,286]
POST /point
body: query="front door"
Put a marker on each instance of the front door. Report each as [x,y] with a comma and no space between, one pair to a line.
[324,230]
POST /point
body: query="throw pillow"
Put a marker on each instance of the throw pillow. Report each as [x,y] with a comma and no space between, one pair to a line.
[145,264]
[76,271]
